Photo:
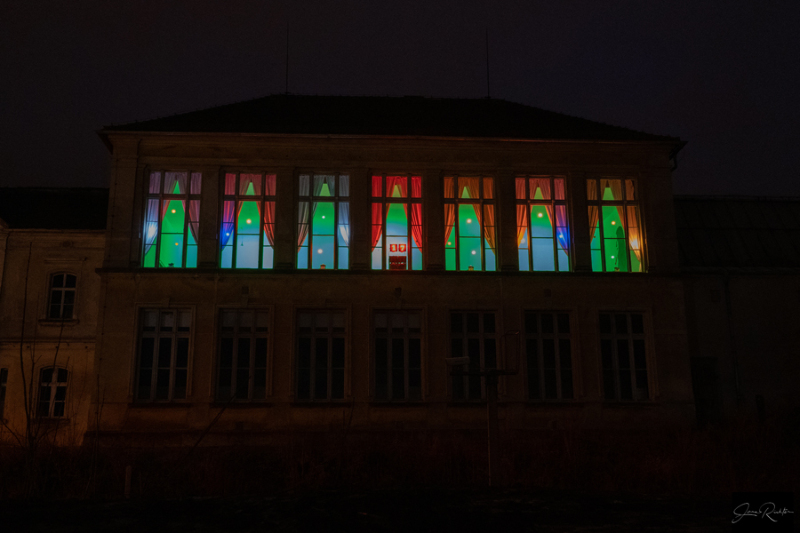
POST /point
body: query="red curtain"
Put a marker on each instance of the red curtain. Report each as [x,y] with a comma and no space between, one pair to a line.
[377,223]
[449,220]
[416,212]
[269,222]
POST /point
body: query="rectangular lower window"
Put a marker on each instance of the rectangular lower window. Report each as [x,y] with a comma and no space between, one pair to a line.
[242,356]
[397,355]
[473,335]
[624,357]
[548,356]
[162,364]
[320,356]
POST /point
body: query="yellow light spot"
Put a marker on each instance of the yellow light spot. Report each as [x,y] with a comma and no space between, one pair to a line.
[613,222]
[173,210]
[319,251]
[449,243]
[469,221]
[249,221]
[539,215]
[176,244]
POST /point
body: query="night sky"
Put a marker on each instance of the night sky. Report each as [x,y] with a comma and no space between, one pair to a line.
[724,76]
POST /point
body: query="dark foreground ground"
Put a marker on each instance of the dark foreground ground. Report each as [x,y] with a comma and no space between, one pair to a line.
[390,511]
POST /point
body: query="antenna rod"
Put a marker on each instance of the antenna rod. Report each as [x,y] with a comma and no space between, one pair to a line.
[287,58]
[488,85]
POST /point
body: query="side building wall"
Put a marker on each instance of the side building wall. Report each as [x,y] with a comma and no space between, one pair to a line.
[31,341]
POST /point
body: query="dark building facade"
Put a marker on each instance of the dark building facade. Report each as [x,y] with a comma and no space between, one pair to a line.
[294,263]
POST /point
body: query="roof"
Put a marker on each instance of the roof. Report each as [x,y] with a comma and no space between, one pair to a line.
[396,116]
[730,232]
[54,208]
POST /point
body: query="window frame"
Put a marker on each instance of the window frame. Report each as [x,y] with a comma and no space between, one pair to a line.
[539,337]
[481,336]
[188,196]
[3,388]
[407,335]
[63,290]
[175,335]
[337,199]
[329,335]
[528,201]
[54,384]
[384,202]
[630,337]
[253,335]
[455,201]
[625,203]
[262,199]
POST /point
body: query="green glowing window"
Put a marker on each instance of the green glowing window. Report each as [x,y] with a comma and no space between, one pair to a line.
[398,355]
[242,370]
[469,224]
[473,334]
[247,233]
[542,227]
[397,223]
[614,225]
[323,221]
[624,356]
[172,220]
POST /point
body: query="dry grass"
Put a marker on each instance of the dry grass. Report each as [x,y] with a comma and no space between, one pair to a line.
[711,462]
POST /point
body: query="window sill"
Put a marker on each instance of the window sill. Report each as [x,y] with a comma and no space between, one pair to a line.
[398,403]
[242,404]
[159,405]
[554,403]
[321,403]
[50,322]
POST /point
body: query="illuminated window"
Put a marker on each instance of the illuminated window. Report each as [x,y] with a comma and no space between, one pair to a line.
[615,235]
[396,222]
[3,381]
[163,357]
[320,355]
[398,355]
[548,356]
[52,392]
[323,229]
[247,234]
[542,227]
[469,224]
[172,220]
[242,369]
[622,347]
[472,334]
[62,297]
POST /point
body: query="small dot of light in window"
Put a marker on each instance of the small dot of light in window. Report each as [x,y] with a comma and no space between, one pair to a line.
[323,216]
[319,251]
[469,221]
[449,243]
[613,222]
[176,244]
[539,215]
[173,210]
[474,252]
[227,234]
[612,257]
[249,221]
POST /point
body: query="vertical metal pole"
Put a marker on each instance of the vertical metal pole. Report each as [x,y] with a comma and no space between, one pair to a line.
[491,416]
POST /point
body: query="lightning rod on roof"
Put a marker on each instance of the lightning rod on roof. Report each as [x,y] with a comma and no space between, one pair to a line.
[488,85]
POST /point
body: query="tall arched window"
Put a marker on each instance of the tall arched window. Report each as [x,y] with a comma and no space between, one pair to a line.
[62,296]
[52,392]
